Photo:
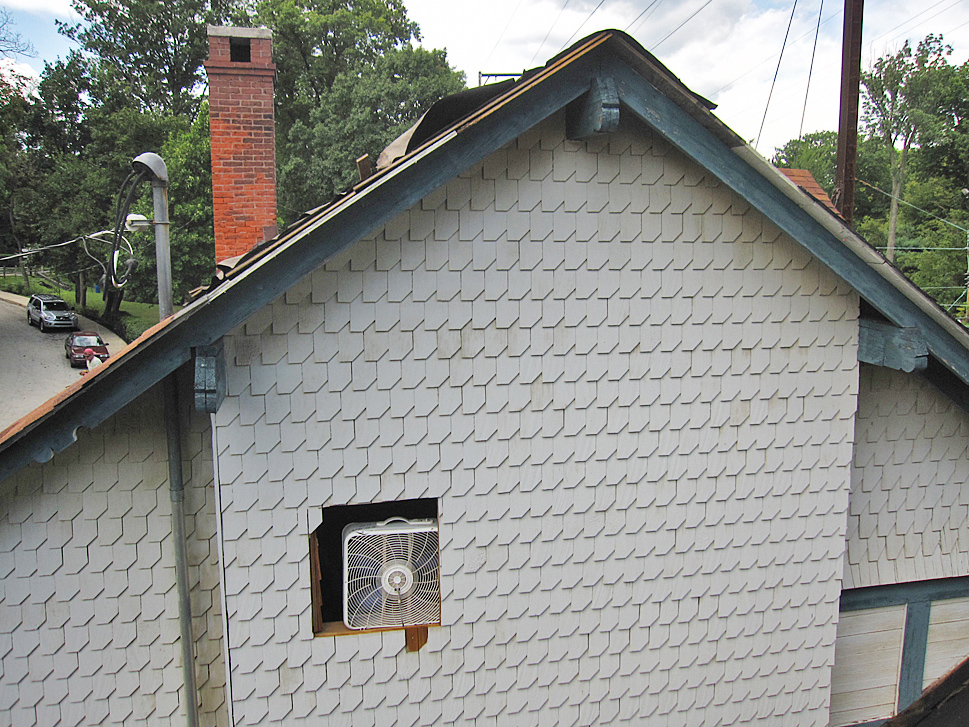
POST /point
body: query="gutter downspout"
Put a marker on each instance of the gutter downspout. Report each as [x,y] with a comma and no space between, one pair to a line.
[220,536]
[177,492]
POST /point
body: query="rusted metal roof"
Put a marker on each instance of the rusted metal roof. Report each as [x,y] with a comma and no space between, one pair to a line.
[806,181]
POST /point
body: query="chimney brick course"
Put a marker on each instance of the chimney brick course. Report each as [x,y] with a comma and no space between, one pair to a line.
[242,127]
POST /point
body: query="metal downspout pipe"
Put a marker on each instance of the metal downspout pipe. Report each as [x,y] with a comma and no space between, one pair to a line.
[177,492]
[159,188]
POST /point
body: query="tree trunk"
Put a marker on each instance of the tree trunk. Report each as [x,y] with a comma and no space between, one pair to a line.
[893,215]
[79,289]
[898,159]
[112,303]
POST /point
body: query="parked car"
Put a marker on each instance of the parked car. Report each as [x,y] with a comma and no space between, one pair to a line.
[76,343]
[49,311]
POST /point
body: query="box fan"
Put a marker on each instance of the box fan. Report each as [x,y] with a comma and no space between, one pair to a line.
[391,575]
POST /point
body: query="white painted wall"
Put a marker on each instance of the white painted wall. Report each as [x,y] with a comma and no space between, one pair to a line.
[634,399]
[88,607]
[948,641]
[909,505]
[867,668]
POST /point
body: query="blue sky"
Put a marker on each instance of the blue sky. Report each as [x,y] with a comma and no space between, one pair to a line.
[725,50]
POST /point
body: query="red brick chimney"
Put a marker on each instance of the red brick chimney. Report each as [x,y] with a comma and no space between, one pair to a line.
[241,121]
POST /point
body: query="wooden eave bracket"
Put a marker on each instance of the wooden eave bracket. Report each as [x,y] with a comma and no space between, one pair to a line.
[210,377]
[883,344]
[416,637]
[595,112]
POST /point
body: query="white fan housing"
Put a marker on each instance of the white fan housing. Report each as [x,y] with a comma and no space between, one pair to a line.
[391,574]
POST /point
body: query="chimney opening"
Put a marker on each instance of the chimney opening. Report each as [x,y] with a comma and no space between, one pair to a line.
[240,50]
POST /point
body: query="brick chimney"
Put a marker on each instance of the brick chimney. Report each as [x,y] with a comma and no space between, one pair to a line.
[241,121]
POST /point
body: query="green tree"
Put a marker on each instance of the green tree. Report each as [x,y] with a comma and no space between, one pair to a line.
[187,156]
[932,248]
[817,152]
[315,41]
[152,51]
[362,113]
[904,103]
[347,82]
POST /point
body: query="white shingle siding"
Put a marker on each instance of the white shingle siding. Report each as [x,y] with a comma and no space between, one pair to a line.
[909,500]
[88,606]
[634,398]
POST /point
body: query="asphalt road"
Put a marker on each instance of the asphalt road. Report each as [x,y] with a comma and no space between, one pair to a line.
[32,364]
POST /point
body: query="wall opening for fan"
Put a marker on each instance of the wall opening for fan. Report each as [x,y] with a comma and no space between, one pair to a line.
[327,545]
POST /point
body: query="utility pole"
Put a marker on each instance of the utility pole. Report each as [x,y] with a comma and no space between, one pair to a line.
[844,186]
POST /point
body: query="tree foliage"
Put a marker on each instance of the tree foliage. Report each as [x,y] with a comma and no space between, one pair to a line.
[152,51]
[912,196]
[904,106]
[348,80]
[362,113]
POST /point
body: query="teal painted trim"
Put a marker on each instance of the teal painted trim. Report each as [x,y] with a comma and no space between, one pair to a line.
[210,377]
[900,594]
[916,641]
[883,345]
[112,389]
[686,134]
[595,112]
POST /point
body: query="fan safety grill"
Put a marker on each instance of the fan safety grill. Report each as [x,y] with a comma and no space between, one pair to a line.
[391,575]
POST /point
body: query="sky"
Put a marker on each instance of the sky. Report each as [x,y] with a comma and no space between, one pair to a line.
[725,50]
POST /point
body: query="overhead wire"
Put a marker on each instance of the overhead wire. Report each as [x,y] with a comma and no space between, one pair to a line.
[777,71]
[770,57]
[655,3]
[869,44]
[826,20]
[915,207]
[582,25]
[807,90]
[667,36]
[502,35]
[554,23]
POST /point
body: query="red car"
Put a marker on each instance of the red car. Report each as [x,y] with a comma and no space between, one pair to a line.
[75,344]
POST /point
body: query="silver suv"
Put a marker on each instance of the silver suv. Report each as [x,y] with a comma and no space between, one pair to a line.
[49,311]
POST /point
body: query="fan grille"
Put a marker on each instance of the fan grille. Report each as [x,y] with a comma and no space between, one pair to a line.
[391,575]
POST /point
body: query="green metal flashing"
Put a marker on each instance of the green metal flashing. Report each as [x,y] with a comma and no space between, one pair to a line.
[900,594]
[914,644]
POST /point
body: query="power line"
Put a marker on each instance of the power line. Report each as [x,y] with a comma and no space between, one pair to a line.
[777,71]
[550,31]
[814,50]
[755,67]
[905,22]
[588,18]
[914,207]
[657,45]
[657,3]
[504,30]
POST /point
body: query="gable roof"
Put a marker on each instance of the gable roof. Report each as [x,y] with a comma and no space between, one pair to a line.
[644,88]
